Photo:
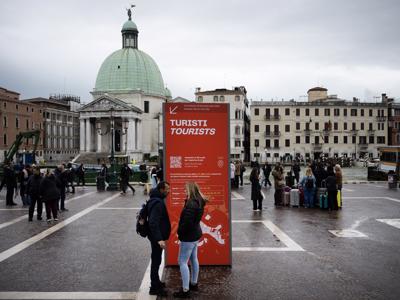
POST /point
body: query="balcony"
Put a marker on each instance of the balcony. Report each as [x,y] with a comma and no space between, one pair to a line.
[272,117]
[380,118]
[326,132]
[317,146]
[363,146]
[353,132]
[307,132]
[371,132]
[272,133]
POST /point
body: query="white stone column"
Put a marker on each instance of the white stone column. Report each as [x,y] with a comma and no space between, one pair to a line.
[98,121]
[88,136]
[139,135]
[82,135]
[131,136]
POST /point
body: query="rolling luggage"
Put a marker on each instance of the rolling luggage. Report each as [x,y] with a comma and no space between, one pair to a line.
[286,198]
[323,201]
[301,196]
[295,197]
[100,183]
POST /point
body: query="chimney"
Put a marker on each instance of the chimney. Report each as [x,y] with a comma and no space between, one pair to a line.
[198,89]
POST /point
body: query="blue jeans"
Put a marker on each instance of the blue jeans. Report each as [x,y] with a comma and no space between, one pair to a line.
[188,250]
[309,198]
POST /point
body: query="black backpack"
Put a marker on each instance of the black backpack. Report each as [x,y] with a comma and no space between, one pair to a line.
[142,221]
[309,183]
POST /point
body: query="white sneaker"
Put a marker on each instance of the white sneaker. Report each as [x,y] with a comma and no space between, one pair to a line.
[56,219]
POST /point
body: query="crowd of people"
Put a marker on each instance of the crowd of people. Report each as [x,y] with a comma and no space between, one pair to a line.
[37,186]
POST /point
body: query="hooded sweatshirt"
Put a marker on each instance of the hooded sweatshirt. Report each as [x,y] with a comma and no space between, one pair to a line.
[159,224]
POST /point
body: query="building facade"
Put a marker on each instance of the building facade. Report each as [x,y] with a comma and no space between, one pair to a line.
[60,125]
[18,116]
[239,117]
[124,115]
[325,125]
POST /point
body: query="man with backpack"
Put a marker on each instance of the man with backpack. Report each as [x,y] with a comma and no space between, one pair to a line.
[159,229]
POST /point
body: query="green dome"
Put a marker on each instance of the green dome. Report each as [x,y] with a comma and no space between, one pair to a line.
[129,25]
[130,69]
[168,93]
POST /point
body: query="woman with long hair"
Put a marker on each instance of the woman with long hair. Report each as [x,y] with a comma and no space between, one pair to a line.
[256,195]
[308,182]
[189,234]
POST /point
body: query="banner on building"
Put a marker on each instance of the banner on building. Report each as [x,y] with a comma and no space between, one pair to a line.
[196,148]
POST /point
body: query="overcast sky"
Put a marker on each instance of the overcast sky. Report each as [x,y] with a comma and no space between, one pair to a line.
[276,49]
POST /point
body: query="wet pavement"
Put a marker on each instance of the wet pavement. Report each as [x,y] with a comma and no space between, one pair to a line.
[93,252]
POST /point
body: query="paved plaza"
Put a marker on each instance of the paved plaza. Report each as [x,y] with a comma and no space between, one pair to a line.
[93,252]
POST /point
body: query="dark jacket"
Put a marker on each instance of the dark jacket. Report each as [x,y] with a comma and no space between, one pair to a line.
[48,189]
[159,224]
[255,189]
[62,177]
[189,229]
[33,186]
[9,179]
[331,183]
[125,173]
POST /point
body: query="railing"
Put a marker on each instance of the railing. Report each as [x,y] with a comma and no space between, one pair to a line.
[272,117]
[326,132]
[380,118]
[317,146]
[272,133]
[307,131]
[363,146]
[353,132]
[371,132]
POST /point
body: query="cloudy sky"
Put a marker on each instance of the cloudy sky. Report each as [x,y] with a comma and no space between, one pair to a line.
[277,49]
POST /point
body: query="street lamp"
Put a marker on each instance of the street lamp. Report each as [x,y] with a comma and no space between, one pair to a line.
[113,183]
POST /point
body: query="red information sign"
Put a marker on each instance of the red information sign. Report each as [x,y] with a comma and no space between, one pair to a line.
[196,148]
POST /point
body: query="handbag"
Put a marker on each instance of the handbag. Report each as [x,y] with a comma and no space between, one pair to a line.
[339,199]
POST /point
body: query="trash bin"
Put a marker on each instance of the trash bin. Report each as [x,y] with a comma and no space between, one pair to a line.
[392,181]
[100,183]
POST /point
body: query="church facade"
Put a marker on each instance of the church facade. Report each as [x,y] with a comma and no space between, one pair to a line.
[127,103]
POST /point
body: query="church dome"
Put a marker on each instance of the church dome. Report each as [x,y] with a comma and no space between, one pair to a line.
[130,69]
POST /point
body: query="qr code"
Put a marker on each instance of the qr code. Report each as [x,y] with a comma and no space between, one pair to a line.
[175,162]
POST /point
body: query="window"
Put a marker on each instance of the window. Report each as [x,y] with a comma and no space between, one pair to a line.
[353,112]
[276,143]
[353,139]
[237,143]
[16,123]
[307,140]
[16,106]
[379,126]
[297,112]
[336,112]
[316,139]
[370,126]
[362,112]
[256,112]
[27,124]
[237,98]
[5,139]
[362,126]
[316,112]
[287,111]
[370,112]
[276,129]
[237,130]
[215,98]
[298,139]
[267,144]
[5,104]
[221,98]
[353,126]
[267,112]
[200,99]
[307,126]
[371,139]
[146,107]
[345,112]
[5,122]
[380,140]
[345,139]
[345,126]
[327,112]
[287,128]
[276,111]
[335,126]
[256,128]
[307,111]
[297,126]
[316,126]
[335,139]
[287,143]
[383,126]
[256,143]
[326,139]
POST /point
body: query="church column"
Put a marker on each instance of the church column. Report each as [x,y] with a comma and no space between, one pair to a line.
[131,134]
[88,135]
[124,136]
[82,135]
[139,135]
[98,129]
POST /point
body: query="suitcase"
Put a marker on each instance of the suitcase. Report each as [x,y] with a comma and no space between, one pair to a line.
[100,183]
[295,197]
[286,198]
[301,196]
[323,201]
[320,191]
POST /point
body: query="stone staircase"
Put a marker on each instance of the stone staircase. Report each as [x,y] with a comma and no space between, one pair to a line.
[92,158]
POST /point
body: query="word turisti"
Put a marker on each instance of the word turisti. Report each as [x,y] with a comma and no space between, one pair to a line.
[191,127]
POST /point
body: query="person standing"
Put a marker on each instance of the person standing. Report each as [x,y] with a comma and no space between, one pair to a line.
[189,234]
[23,180]
[33,190]
[50,194]
[104,175]
[266,171]
[242,170]
[10,181]
[331,188]
[126,172]
[159,232]
[81,174]
[256,195]
[237,173]
[339,182]
[308,183]
[70,178]
[232,169]
[279,183]
[62,181]
[296,171]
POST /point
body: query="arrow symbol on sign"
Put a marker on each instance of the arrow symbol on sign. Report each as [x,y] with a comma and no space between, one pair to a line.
[172,110]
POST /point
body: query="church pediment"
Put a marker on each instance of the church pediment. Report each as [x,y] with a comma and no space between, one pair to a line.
[106,103]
